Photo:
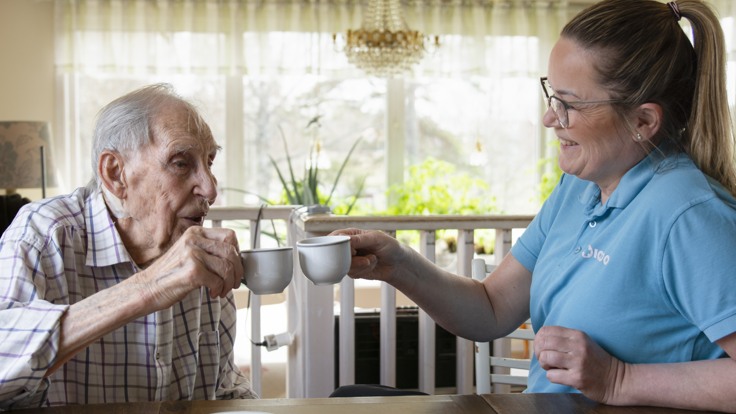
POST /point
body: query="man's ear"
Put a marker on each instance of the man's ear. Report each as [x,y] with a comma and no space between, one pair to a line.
[648,120]
[110,169]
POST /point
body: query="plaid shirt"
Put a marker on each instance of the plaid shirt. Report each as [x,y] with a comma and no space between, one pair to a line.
[61,250]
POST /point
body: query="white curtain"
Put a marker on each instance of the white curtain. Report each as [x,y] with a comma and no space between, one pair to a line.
[174,36]
[228,43]
[222,52]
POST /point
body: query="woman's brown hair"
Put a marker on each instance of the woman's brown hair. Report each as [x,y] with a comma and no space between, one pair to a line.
[645,56]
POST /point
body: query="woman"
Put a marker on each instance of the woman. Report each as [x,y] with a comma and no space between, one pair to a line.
[627,270]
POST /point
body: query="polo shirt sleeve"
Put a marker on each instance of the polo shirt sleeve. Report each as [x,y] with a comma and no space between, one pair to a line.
[29,325]
[527,248]
[699,267]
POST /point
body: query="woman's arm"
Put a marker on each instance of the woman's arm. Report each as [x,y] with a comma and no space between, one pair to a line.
[697,385]
[475,310]
[571,358]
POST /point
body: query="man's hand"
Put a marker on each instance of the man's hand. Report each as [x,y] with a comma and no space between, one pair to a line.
[208,257]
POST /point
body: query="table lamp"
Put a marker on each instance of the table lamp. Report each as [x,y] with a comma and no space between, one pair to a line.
[24,156]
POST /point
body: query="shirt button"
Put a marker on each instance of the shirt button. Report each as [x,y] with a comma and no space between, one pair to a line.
[577,249]
[158,355]
[592,224]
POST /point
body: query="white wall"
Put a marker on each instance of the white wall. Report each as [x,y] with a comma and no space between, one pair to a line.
[27,63]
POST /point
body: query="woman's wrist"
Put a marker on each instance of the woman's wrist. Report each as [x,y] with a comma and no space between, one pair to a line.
[408,269]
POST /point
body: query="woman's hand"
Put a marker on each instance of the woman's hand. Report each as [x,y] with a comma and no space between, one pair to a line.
[375,254]
[571,358]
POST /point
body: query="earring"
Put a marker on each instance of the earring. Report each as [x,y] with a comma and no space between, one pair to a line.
[638,137]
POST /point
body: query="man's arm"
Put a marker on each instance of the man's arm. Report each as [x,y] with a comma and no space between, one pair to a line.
[202,257]
[88,320]
[29,336]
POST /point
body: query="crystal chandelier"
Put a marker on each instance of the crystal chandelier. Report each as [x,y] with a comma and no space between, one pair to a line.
[384,45]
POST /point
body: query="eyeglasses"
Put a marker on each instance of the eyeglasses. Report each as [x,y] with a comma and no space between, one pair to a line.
[560,107]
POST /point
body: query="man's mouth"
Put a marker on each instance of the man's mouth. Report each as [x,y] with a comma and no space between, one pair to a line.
[196,220]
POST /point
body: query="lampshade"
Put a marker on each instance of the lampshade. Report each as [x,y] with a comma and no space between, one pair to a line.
[25,155]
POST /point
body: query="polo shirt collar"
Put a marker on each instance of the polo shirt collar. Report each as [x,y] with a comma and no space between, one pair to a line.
[631,184]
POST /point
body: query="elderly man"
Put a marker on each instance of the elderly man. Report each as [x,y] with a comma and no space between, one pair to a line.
[116,292]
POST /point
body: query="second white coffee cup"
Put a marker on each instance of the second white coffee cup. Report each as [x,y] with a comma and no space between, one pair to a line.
[325,260]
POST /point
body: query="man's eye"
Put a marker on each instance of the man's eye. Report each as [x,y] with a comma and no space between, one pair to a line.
[180,164]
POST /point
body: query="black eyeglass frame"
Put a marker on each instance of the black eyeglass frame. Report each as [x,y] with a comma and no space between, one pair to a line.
[556,109]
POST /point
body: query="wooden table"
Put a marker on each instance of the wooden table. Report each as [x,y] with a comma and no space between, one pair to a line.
[439,404]
[435,404]
[565,404]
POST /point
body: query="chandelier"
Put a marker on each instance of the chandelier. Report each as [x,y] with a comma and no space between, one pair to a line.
[384,45]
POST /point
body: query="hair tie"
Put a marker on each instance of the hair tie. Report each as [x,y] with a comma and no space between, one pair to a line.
[675,10]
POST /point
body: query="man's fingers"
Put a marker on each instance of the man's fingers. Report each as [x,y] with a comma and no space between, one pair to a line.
[220,256]
[217,233]
[217,274]
[221,245]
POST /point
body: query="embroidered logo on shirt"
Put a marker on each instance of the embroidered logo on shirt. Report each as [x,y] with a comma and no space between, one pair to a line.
[599,255]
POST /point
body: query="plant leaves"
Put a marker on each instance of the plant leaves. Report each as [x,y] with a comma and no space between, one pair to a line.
[294,195]
[339,172]
[357,195]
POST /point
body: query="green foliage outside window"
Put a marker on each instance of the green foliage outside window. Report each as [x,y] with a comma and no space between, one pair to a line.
[436,187]
[550,176]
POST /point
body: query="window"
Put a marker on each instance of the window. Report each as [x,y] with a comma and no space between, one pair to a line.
[257,70]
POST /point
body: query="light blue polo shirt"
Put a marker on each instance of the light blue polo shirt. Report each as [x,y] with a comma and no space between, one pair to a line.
[650,276]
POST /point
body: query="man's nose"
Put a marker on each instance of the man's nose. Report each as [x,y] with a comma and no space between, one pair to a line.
[207,185]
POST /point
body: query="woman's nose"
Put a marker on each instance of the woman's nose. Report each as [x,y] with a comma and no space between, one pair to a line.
[549,119]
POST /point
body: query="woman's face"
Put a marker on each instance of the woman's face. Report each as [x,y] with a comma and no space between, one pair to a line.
[596,146]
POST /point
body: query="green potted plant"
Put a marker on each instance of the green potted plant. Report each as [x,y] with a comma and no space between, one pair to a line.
[307,191]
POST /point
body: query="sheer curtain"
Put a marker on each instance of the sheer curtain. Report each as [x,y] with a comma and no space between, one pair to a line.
[260,68]
[174,36]
[727,13]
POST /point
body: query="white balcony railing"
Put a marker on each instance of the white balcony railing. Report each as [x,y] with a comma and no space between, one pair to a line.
[254,234]
[311,309]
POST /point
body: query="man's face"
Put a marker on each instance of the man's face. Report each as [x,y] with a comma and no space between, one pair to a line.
[169,184]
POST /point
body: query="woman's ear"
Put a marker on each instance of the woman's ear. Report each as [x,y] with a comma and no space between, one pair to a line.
[110,169]
[648,120]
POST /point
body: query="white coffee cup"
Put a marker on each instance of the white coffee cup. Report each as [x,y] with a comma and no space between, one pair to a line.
[325,260]
[268,270]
